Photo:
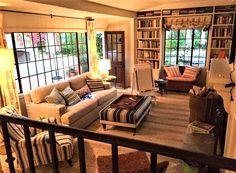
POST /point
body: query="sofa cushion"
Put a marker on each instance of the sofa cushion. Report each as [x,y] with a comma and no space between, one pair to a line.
[55,97]
[182,79]
[83,91]
[38,95]
[172,71]
[95,84]
[190,72]
[105,95]
[79,110]
[70,96]
[78,81]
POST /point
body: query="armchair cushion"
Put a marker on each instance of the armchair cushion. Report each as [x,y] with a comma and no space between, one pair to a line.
[172,71]
[181,79]
[191,72]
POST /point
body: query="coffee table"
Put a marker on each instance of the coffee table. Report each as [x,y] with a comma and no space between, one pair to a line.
[126,111]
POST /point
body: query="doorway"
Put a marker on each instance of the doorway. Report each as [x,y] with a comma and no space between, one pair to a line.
[115,51]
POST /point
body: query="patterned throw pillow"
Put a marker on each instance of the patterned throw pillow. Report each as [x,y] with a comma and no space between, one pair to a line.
[191,72]
[70,96]
[55,97]
[172,71]
[95,85]
[83,91]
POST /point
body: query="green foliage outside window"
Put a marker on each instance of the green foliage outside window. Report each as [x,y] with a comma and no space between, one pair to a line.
[99,45]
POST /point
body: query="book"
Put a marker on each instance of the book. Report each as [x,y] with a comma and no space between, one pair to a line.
[200,127]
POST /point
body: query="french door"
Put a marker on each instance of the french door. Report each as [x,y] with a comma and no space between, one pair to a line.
[115,51]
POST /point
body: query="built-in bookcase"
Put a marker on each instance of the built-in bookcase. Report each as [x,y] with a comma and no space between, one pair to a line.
[222,31]
[149,37]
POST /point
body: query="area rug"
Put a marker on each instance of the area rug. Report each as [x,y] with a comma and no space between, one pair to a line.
[166,124]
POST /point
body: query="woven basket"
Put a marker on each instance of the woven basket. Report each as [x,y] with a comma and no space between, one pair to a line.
[203,108]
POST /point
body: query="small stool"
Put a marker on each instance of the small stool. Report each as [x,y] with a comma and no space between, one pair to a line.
[133,162]
[162,84]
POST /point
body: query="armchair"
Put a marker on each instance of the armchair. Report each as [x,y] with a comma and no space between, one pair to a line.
[143,80]
[39,140]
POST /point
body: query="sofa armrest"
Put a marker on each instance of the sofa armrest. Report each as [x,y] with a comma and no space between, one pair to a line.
[45,110]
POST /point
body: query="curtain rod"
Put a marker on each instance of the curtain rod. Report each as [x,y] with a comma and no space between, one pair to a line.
[50,15]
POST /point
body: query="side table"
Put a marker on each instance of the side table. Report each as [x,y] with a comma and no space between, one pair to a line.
[162,85]
[110,78]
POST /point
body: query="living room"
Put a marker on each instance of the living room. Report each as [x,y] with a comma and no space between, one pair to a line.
[55,20]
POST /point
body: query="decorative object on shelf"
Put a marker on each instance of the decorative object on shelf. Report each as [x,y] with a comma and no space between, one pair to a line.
[188,22]
[104,65]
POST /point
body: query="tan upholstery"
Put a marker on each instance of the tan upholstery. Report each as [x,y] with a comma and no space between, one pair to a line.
[78,82]
[38,95]
[78,110]
[104,95]
[37,107]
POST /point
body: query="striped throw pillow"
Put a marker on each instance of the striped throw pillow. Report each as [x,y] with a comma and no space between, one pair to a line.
[70,96]
[95,84]
[55,97]
[172,71]
[191,72]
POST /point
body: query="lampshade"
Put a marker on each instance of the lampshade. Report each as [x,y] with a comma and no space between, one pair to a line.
[6,59]
[104,65]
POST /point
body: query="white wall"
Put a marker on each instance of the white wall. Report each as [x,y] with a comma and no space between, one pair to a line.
[128,27]
[16,22]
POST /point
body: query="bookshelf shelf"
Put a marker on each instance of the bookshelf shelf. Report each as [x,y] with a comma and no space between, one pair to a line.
[222,31]
[149,37]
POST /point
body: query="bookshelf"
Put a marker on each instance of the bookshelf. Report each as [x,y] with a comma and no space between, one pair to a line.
[222,31]
[149,37]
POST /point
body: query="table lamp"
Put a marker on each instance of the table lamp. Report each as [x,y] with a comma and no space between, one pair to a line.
[104,65]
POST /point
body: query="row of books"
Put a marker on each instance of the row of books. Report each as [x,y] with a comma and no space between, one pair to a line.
[148,34]
[222,32]
[230,8]
[200,127]
[155,64]
[149,13]
[187,11]
[226,43]
[223,19]
[148,44]
[148,54]
[149,23]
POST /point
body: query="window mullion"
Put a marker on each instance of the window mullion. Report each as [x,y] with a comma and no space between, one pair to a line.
[191,60]
[177,58]
[78,52]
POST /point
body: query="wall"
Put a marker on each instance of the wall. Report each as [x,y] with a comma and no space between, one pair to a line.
[15,22]
[128,27]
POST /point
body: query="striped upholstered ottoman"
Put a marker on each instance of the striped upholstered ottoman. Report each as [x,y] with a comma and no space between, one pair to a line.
[126,117]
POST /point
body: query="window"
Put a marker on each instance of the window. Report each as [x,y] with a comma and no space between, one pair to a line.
[100,44]
[186,47]
[45,58]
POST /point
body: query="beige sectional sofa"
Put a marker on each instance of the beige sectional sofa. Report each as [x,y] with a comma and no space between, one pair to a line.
[79,115]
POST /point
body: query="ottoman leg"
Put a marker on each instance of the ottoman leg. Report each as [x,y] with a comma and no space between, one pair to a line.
[104,126]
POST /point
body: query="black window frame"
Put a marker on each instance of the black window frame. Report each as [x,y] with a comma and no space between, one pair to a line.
[70,50]
[192,48]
